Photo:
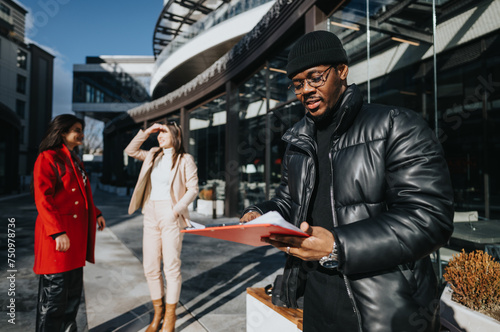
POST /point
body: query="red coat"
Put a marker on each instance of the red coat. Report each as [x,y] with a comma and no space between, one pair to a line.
[64,204]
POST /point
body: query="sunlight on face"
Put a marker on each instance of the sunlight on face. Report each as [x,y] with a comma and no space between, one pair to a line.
[74,136]
[165,139]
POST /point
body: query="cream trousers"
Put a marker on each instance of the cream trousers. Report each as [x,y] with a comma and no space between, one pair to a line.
[162,239]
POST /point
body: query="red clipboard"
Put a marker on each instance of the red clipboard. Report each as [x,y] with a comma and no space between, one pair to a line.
[246,234]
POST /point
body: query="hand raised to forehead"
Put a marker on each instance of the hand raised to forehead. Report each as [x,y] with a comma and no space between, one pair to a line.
[156,127]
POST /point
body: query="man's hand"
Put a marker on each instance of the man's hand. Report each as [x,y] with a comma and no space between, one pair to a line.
[62,243]
[312,248]
[101,222]
[249,216]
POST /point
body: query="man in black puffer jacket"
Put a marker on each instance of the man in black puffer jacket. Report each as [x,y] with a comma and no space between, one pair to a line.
[370,184]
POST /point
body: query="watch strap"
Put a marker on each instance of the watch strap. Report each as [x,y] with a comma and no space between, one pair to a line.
[330,261]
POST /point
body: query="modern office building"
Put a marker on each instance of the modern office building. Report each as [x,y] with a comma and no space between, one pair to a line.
[108,85]
[220,72]
[26,83]
[104,88]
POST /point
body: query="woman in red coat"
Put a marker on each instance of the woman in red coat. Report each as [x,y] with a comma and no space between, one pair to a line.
[65,226]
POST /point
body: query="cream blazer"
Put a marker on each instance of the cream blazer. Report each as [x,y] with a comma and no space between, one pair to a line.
[184,181]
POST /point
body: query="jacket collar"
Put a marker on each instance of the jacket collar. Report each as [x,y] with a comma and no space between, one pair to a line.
[71,154]
[349,108]
[305,129]
[66,151]
[176,167]
[73,158]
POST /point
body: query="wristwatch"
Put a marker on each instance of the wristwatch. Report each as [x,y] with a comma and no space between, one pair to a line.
[332,260]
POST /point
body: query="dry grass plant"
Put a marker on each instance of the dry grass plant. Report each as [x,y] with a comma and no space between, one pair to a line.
[475,280]
[206,194]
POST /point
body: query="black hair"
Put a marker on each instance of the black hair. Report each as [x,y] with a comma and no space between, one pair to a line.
[61,124]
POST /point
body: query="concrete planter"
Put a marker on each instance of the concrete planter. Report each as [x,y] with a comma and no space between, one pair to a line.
[458,317]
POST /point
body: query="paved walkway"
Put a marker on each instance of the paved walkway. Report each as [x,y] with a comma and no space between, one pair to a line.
[215,273]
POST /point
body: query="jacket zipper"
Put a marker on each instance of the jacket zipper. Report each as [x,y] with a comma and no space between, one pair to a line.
[335,222]
[308,177]
[306,199]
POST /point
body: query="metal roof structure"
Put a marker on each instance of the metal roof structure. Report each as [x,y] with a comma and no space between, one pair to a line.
[407,21]
[177,16]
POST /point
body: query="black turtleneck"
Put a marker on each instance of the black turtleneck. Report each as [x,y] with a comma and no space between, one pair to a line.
[320,208]
[327,306]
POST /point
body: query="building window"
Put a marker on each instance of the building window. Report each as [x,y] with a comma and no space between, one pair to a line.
[207,132]
[21,84]
[5,13]
[4,9]
[93,95]
[99,97]
[22,59]
[21,135]
[20,108]
[90,94]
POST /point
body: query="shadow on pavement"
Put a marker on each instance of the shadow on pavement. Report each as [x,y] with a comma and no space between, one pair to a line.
[213,289]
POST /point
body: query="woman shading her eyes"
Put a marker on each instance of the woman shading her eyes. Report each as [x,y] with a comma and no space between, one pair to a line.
[167,184]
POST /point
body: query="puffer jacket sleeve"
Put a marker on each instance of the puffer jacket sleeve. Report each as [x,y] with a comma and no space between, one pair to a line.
[281,202]
[419,215]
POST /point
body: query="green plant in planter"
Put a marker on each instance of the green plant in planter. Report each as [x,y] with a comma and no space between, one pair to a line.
[475,280]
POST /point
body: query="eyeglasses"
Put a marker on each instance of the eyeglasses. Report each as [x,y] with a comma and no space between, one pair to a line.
[315,81]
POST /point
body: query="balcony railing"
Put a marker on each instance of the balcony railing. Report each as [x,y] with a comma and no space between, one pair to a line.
[6,17]
[224,13]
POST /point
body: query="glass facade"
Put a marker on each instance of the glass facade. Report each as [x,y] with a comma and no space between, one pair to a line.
[469,104]
[252,140]
[265,110]
[109,87]
[392,61]
[397,66]
[439,58]
[207,134]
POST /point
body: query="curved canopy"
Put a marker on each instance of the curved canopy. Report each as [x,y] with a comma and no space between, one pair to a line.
[179,15]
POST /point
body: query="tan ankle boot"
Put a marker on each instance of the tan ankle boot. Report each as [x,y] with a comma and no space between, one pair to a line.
[169,319]
[159,311]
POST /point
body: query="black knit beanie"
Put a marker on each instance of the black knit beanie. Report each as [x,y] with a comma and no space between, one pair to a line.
[314,49]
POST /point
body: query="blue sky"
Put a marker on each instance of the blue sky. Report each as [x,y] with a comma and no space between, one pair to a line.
[74,29]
